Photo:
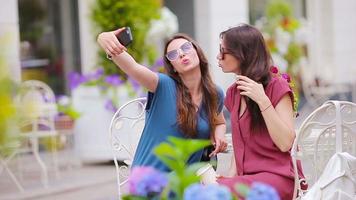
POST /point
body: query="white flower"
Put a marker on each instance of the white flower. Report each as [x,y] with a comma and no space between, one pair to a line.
[283,38]
[302,35]
[279,61]
[163,27]
[63,100]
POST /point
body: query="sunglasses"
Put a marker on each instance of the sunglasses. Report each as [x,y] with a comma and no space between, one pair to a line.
[223,52]
[174,54]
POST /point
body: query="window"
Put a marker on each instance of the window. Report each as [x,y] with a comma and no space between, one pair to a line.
[49,37]
[257,9]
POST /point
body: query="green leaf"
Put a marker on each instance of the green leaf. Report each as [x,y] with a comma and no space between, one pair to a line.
[188,146]
[193,168]
[165,149]
[242,189]
[133,197]
[170,162]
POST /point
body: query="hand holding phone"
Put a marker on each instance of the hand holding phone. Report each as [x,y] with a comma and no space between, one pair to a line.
[125,37]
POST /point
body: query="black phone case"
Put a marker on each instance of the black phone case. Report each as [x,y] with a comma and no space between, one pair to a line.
[125,37]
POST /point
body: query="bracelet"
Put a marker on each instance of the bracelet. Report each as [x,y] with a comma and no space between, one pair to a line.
[266,108]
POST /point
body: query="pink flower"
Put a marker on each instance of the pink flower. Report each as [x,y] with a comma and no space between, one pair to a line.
[274,69]
[286,76]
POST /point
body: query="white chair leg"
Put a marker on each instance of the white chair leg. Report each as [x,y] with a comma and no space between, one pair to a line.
[55,157]
[3,165]
[35,151]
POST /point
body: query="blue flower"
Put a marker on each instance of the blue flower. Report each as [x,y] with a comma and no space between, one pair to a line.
[208,192]
[261,191]
[147,182]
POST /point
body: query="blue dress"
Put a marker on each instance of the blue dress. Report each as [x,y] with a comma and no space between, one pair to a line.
[161,122]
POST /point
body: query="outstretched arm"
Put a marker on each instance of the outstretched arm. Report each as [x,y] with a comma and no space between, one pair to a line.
[111,45]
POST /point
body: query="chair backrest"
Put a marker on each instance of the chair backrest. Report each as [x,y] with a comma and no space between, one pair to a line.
[37,105]
[329,129]
[125,131]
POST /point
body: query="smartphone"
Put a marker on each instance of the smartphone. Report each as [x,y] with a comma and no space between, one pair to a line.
[125,37]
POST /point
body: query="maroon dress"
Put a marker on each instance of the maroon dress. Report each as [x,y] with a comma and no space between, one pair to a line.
[257,158]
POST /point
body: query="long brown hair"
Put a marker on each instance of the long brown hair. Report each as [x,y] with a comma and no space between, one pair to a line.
[247,44]
[186,110]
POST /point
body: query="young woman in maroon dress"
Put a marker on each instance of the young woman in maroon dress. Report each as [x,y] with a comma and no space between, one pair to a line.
[262,115]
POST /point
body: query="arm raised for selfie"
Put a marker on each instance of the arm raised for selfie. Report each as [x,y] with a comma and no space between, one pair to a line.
[111,45]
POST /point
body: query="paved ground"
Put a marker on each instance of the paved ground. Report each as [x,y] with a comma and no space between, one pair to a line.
[96,181]
[77,181]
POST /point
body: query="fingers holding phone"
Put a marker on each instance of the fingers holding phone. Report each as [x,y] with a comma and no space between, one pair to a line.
[124,36]
[109,42]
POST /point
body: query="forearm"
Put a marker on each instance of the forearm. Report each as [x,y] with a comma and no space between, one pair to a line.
[110,44]
[138,72]
[220,130]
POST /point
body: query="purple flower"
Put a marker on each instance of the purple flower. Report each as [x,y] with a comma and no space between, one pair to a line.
[274,69]
[109,105]
[113,80]
[94,76]
[136,86]
[261,191]
[97,74]
[158,63]
[146,181]
[208,192]
[75,79]
[286,76]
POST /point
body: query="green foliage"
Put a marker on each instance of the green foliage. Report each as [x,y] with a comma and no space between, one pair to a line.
[8,115]
[7,111]
[175,155]
[278,9]
[280,20]
[69,110]
[294,53]
[109,15]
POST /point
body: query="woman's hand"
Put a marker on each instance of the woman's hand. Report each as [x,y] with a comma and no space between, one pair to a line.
[110,44]
[219,143]
[253,90]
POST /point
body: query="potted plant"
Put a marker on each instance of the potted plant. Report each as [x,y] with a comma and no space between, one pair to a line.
[66,114]
[146,183]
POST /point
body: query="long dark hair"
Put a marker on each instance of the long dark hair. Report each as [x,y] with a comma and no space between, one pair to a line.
[247,44]
[186,110]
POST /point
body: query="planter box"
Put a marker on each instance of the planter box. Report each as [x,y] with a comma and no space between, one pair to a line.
[91,138]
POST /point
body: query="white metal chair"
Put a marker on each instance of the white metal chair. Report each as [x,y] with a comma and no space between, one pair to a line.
[329,129]
[37,106]
[125,131]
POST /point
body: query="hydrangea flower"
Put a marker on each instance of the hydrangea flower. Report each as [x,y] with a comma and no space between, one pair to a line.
[146,181]
[207,192]
[261,191]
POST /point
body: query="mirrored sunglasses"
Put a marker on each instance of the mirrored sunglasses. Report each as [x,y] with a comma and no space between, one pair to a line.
[174,54]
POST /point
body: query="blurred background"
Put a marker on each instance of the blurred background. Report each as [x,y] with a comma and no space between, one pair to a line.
[54,42]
